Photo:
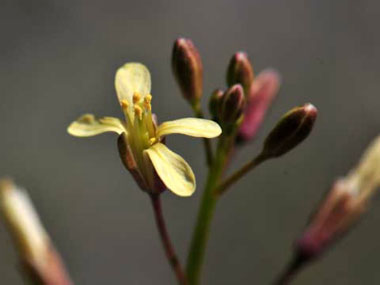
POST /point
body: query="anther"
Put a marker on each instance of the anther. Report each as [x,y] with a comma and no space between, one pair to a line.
[124,104]
[147,100]
[152,141]
[136,97]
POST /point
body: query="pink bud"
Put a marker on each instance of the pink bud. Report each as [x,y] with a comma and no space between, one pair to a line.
[335,216]
[240,71]
[263,90]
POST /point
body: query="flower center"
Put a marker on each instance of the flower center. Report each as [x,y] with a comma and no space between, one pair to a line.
[141,128]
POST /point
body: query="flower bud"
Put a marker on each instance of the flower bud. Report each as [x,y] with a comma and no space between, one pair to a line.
[215,102]
[240,71]
[260,97]
[336,214]
[39,257]
[343,205]
[153,185]
[188,70]
[292,129]
[232,106]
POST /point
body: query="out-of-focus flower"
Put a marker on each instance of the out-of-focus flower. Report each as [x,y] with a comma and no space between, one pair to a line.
[343,205]
[141,140]
[291,130]
[240,71]
[188,70]
[33,243]
[262,92]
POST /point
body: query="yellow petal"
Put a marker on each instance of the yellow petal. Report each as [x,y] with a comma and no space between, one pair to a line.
[87,126]
[132,78]
[191,127]
[173,170]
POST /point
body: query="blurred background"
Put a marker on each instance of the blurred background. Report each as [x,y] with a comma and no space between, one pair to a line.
[57,61]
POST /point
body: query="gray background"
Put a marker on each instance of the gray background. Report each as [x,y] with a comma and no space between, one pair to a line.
[57,61]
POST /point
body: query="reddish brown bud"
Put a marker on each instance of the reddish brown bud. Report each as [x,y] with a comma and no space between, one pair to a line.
[240,71]
[188,70]
[232,105]
[291,130]
[261,95]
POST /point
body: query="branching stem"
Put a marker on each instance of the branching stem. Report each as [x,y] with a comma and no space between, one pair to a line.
[224,186]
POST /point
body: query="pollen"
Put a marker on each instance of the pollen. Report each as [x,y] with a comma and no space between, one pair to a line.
[136,97]
[124,104]
[138,111]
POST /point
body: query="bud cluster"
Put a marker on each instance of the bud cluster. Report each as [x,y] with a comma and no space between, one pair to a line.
[242,107]
[227,107]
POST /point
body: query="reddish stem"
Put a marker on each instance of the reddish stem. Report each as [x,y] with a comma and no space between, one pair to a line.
[292,269]
[166,242]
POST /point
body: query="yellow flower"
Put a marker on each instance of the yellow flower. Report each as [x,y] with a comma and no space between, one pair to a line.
[142,136]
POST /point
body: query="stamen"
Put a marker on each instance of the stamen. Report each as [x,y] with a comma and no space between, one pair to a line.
[136,97]
[147,100]
[138,111]
[124,104]
[152,141]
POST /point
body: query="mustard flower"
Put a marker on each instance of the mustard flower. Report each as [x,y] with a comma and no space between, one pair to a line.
[143,137]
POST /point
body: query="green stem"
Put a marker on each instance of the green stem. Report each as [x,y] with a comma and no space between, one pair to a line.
[205,214]
[206,142]
[223,187]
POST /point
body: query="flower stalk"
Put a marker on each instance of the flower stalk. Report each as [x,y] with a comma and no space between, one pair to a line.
[249,166]
[290,271]
[165,238]
[206,212]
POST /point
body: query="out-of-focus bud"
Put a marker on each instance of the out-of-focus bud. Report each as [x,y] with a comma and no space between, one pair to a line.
[39,258]
[343,205]
[188,70]
[260,96]
[153,185]
[215,102]
[232,106]
[292,129]
[240,71]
